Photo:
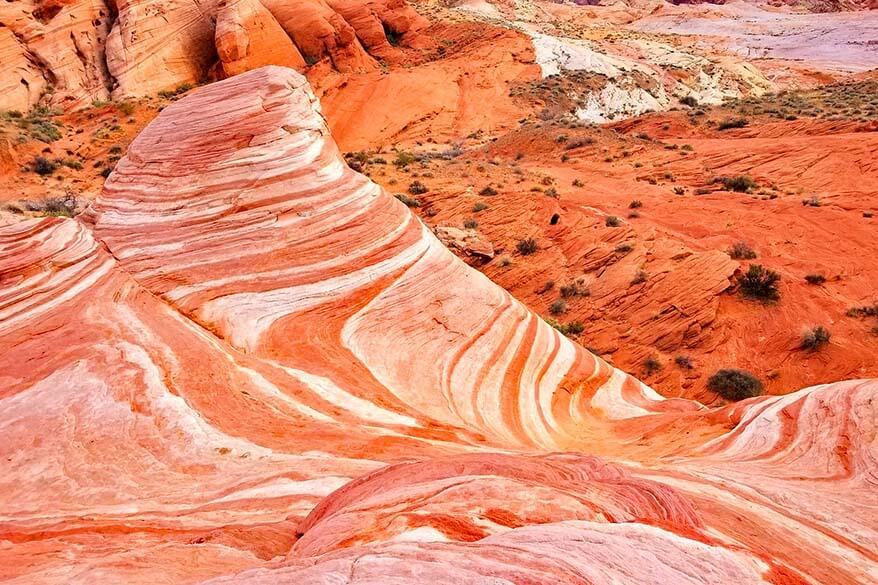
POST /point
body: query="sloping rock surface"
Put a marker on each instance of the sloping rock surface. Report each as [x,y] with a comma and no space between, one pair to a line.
[250,364]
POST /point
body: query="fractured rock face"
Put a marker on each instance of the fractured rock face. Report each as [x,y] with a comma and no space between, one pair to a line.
[248,363]
[248,37]
[82,50]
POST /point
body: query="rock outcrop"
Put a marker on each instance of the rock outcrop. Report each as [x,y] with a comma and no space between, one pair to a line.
[249,363]
[83,50]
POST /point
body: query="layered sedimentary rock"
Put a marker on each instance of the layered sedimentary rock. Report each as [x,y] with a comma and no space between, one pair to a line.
[82,50]
[248,362]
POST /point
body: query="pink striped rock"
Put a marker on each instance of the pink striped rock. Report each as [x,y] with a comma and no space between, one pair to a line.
[247,363]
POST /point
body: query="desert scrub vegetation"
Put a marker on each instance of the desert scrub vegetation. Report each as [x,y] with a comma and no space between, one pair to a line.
[59,206]
[738,184]
[651,365]
[733,384]
[635,204]
[759,283]
[409,201]
[479,207]
[177,91]
[612,221]
[417,188]
[568,329]
[43,166]
[471,224]
[38,124]
[576,288]
[684,362]
[742,251]
[488,191]
[403,159]
[730,123]
[558,307]
[815,279]
[527,246]
[815,338]
[640,277]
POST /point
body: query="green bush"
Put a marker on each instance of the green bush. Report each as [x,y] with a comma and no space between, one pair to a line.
[742,251]
[734,384]
[815,338]
[739,184]
[417,188]
[43,166]
[730,123]
[527,246]
[760,283]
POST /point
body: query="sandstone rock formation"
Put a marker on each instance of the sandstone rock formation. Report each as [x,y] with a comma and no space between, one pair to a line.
[247,362]
[82,50]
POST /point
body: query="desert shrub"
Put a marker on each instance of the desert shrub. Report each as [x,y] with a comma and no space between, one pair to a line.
[683,362]
[470,224]
[612,221]
[634,215]
[578,183]
[739,184]
[126,108]
[815,338]
[864,311]
[558,307]
[730,123]
[760,283]
[579,143]
[651,365]
[417,188]
[574,289]
[635,204]
[547,286]
[409,201]
[43,166]
[479,207]
[488,191]
[640,277]
[742,251]
[812,202]
[527,246]
[734,384]
[404,159]
[624,248]
[72,164]
[689,100]
[180,89]
[106,171]
[815,279]
[60,206]
[572,328]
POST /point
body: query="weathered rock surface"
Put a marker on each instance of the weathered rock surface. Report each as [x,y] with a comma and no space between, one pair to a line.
[249,363]
[248,37]
[84,50]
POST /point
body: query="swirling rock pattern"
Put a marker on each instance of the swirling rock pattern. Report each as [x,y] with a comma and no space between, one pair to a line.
[248,363]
